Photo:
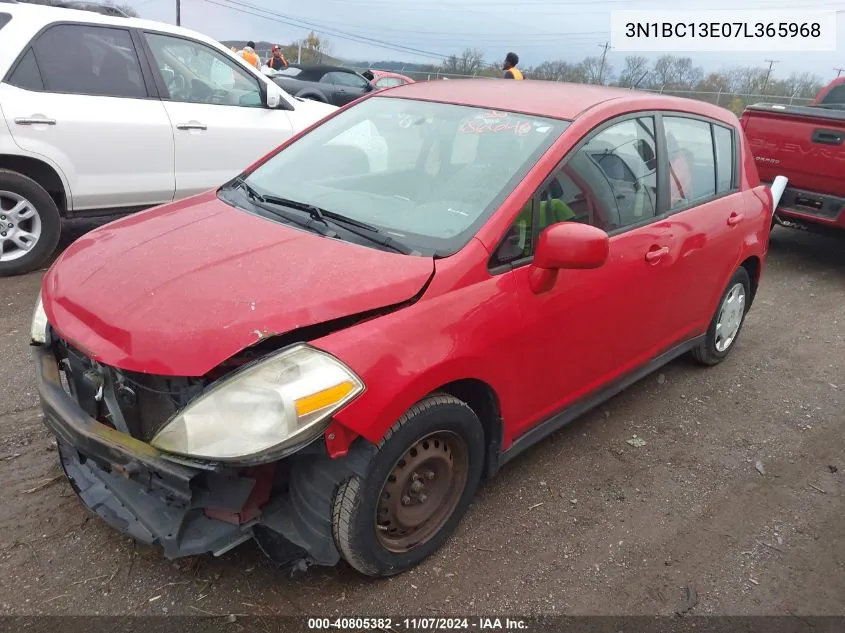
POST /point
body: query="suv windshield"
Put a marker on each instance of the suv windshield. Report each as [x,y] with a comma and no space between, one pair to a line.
[425,174]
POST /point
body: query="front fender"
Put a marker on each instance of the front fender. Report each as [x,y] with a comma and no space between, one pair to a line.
[403,356]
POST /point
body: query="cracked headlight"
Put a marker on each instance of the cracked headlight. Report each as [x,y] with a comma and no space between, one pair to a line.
[38,329]
[276,404]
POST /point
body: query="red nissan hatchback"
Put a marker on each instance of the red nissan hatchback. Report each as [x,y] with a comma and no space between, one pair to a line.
[328,353]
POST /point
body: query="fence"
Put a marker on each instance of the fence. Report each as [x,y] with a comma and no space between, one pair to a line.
[734,101]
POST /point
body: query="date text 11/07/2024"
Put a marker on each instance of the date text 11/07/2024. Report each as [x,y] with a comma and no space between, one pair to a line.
[419,624]
[723,29]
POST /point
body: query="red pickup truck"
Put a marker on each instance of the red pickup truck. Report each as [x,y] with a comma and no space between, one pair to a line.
[807,145]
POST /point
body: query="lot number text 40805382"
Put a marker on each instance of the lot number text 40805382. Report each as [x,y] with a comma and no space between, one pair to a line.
[419,624]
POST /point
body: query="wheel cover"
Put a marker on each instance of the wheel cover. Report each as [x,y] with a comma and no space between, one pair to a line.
[731,313]
[422,491]
[20,226]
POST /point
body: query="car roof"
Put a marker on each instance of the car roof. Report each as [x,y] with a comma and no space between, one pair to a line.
[553,99]
[49,14]
[323,68]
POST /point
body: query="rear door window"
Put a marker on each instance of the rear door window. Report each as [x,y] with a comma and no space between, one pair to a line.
[89,60]
[692,164]
[724,140]
[26,74]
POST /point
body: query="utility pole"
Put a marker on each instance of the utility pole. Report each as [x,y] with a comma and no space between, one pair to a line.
[772,62]
[299,54]
[605,46]
[839,71]
[178,12]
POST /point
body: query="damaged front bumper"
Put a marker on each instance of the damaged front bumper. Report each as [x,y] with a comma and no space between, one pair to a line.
[190,510]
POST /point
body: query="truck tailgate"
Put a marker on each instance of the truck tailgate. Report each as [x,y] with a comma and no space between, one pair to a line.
[805,144]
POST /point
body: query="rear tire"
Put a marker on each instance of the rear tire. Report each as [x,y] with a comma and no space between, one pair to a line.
[30,224]
[727,323]
[420,483]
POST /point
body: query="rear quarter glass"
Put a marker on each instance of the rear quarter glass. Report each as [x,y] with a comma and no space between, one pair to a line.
[5,18]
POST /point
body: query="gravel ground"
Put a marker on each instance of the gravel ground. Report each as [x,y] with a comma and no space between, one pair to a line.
[735,500]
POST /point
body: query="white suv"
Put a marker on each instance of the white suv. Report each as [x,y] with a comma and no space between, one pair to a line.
[103,115]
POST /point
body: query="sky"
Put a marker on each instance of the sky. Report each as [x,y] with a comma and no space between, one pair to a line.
[425,31]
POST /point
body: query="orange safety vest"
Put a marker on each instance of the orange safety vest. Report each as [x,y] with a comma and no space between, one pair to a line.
[250,57]
[517,74]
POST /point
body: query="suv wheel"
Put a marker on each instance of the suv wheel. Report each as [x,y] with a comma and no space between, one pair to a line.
[727,322]
[30,224]
[418,487]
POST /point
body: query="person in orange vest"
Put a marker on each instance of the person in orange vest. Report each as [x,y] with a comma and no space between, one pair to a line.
[249,54]
[511,71]
[277,61]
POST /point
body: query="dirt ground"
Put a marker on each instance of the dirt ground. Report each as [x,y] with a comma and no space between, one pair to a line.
[584,523]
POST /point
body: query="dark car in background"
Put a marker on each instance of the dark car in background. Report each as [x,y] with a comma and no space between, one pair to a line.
[330,84]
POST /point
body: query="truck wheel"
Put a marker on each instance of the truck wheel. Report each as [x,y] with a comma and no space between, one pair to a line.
[418,487]
[727,322]
[30,224]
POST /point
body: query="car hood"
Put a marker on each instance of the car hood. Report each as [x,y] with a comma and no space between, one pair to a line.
[181,288]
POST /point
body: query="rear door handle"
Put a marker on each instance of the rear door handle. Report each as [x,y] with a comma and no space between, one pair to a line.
[656,254]
[34,120]
[735,218]
[191,125]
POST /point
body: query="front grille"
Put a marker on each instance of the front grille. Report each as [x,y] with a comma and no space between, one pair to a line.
[143,402]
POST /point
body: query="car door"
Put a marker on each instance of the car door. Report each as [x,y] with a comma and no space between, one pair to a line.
[78,95]
[220,125]
[592,326]
[348,86]
[706,213]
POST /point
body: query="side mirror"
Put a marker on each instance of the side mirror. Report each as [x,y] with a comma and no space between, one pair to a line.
[570,246]
[272,95]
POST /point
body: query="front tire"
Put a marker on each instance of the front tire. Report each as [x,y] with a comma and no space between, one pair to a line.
[30,224]
[727,323]
[420,483]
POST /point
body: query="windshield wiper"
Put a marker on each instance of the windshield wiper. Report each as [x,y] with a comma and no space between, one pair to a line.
[271,206]
[356,227]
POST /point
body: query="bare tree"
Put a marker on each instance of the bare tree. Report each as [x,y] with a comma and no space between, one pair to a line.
[801,85]
[467,63]
[675,73]
[714,82]
[594,71]
[559,71]
[746,80]
[314,47]
[635,71]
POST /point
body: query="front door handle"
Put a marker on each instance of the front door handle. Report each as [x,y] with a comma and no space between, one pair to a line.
[191,125]
[735,218]
[656,254]
[35,120]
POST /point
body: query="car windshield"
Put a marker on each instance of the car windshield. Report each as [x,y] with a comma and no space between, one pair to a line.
[425,174]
